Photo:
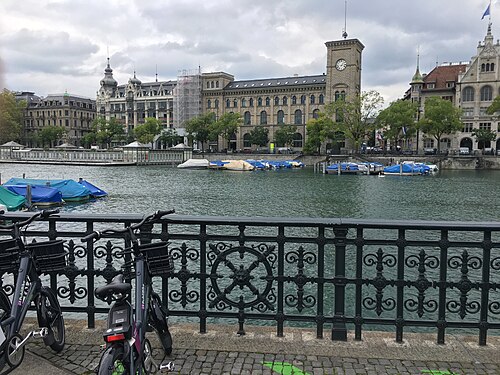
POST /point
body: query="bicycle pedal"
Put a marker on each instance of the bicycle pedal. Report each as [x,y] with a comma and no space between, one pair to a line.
[43,332]
[166,367]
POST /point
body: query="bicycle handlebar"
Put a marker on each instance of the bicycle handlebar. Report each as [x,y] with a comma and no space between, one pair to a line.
[95,235]
[44,214]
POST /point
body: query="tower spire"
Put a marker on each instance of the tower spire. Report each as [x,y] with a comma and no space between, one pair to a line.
[344,32]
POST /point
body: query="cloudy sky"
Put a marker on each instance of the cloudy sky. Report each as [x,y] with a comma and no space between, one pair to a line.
[53,46]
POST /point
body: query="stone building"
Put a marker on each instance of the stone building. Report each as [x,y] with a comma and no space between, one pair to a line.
[74,113]
[471,86]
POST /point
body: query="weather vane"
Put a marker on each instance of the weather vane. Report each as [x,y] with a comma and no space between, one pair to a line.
[344,33]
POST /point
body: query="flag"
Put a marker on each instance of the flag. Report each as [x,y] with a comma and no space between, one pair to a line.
[486,12]
[404,130]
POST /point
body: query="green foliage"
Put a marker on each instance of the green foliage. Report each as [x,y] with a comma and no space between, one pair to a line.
[400,114]
[284,135]
[170,137]
[200,127]
[441,117]
[104,133]
[146,133]
[11,117]
[259,136]
[483,136]
[226,126]
[318,131]
[50,135]
[354,115]
[494,107]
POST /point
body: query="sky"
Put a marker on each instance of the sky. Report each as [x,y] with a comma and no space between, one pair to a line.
[57,46]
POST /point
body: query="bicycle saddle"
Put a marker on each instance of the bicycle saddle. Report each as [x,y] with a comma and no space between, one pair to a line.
[115,287]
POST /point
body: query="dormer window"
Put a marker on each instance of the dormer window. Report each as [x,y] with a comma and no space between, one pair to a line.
[431,85]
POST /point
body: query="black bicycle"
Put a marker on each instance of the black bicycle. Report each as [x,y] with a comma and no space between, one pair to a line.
[28,262]
[128,351]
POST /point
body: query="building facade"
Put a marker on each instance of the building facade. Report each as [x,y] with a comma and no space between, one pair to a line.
[471,86]
[73,113]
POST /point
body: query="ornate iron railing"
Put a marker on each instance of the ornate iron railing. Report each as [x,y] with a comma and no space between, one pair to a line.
[331,274]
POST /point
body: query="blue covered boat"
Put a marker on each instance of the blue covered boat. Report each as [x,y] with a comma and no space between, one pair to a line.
[71,190]
[406,169]
[11,201]
[94,190]
[345,168]
[40,195]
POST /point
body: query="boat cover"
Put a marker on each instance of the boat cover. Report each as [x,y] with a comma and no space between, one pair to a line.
[71,190]
[39,194]
[195,164]
[407,168]
[94,190]
[11,200]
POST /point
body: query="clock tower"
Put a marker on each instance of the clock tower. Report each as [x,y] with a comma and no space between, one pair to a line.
[343,68]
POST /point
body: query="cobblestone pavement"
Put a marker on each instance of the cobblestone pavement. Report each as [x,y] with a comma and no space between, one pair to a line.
[223,352]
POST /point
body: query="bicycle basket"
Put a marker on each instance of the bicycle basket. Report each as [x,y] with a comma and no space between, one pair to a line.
[49,256]
[159,261]
[9,255]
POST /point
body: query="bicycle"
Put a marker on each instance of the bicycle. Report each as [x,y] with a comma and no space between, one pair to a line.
[28,262]
[127,350]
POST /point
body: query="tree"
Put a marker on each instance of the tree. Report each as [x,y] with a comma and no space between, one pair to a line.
[284,135]
[494,107]
[51,134]
[104,132]
[483,136]
[169,138]
[398,120]
[226,126]
[259,136]
[199,128]
[354,115]
[146,133]
[440,117]
[11,117]
[318,130]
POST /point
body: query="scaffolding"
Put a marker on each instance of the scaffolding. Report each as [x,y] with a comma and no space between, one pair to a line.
[187,97]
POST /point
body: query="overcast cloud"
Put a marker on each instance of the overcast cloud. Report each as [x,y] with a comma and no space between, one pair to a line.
[61,45]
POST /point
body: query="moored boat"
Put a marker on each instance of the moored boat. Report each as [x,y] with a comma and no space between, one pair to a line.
[405,169]
[10,200]
[194,164]
[71,190]
[95,192]
[40,195]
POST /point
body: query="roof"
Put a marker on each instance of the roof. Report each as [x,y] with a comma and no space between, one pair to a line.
[277,82]
[442,74]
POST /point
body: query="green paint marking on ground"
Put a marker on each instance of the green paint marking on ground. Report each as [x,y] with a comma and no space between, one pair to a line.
[284,368]
[438,372]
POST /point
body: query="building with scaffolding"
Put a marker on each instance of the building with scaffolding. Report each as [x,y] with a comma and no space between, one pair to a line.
[187,97]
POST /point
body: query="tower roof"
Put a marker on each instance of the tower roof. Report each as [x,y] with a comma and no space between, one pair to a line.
[108,79]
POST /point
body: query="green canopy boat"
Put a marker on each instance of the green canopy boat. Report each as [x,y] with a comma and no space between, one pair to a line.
[11,200]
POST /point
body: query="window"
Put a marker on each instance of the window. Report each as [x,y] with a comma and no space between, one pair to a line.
[339,95]
[259,102]
[246,118]
[312,99]
[216,103]
[468,112]
[488,67]
[485,126]
[208,85]
[303,99]
[281,117]
[450,84]
[235,103]
[316,113]
[263,118]
[428,143]
[468,94]
[243,103]
[212,84]
[486,93]
[228,103]
[468,126]
[209,104]
[276,101]
[217,84]
[297,140]
[431,85]
[247,141]
[285,100]
[251,102]
[268,102]
[298,117]
[294,99]
[321,99]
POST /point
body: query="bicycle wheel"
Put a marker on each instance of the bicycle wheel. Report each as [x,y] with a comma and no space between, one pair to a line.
[50,316]
[113,362]
[5,307]
[158,319]
[14,359]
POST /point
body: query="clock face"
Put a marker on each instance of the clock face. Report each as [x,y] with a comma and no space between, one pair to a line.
[341,64]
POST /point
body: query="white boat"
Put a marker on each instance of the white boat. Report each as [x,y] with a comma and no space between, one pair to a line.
[194,164]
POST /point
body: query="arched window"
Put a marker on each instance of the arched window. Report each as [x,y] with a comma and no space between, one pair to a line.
[281,117]
[246,118]
[297,140]
[276,101]
[268,102]
[235,103]
[243,103]
[298,117]
[259,102]
[247,140]
[228,103]
[285,100]
[209,103]
[303,99]
[208,84]
[216,103]
[263,118]
[321,99]
[313,99]
[316,113]
[217,84]
[486,93]
[492,67]
[468,94]
[483,67]
[251,102]
[212,84]
[339,95]
[294,99]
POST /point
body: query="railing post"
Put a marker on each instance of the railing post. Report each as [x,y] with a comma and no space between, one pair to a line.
[339,330]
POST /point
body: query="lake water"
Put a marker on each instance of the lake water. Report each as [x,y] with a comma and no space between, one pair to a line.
[449,195]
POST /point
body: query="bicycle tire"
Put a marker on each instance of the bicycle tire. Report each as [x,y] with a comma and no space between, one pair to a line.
[113,362]
[50,316]
[5,307]
[159,323]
